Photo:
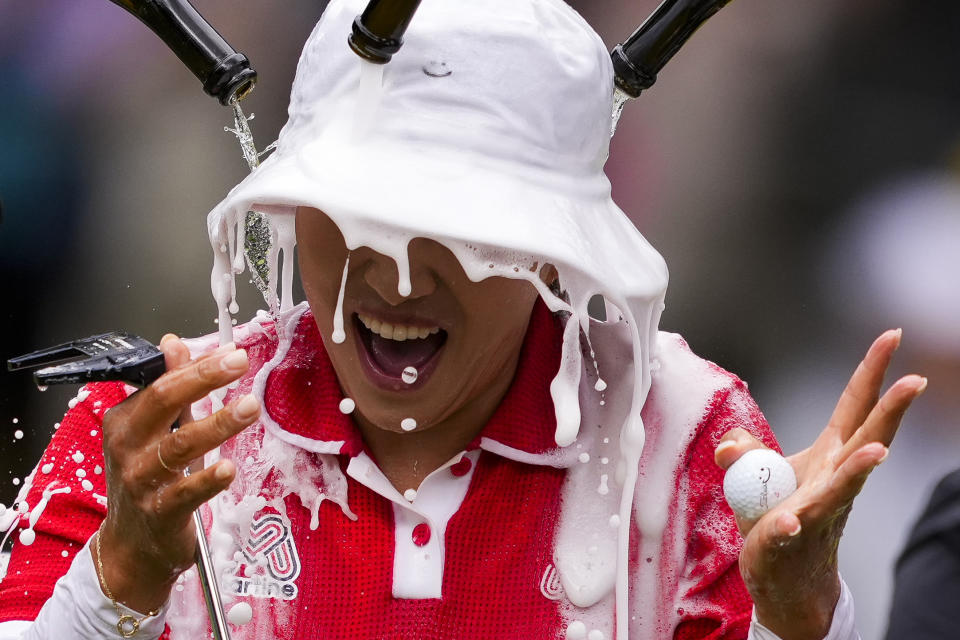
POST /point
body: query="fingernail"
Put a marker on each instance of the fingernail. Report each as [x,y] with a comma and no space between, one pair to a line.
[723,446]
[886,452]
[224,470]
[246,407]
[922,387]
[224,348]
[795,532]
[235,360]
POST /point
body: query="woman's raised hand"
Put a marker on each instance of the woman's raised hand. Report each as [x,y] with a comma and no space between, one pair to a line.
[789,557]
[148,537]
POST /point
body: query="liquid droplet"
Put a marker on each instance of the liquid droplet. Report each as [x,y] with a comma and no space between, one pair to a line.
[339,335]
[614,521]
[409,375]
[576,631]
[47,468]
[77,457]
[603,489]
[347,405]
[27,537]
[240,613]
[408,424]
[410,495]
[600,385]
[18,434]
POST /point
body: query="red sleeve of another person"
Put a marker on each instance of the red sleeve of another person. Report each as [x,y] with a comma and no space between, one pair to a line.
[723,604]
[73,460]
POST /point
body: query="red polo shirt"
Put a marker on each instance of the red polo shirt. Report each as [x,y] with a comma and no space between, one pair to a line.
[470,556]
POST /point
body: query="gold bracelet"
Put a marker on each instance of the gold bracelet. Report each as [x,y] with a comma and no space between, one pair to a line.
[127,625]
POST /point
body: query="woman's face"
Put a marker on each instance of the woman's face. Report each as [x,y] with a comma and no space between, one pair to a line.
[462,338]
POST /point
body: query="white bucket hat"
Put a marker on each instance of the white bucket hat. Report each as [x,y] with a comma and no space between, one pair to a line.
[488,132]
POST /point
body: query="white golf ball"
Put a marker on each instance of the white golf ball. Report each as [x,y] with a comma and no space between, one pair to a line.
[757,482]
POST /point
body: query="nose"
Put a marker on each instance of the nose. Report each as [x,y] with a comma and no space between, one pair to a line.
[382,275]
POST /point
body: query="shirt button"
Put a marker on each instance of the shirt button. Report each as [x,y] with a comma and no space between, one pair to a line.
[421,534]
[461,468]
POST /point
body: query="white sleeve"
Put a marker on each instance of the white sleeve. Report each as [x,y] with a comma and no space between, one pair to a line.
[843,626]
[78,609]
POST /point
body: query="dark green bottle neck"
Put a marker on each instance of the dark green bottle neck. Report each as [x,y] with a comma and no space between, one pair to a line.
[225,74]
[639,59]
[378,32]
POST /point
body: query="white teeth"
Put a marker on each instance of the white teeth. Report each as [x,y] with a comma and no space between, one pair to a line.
[399,332]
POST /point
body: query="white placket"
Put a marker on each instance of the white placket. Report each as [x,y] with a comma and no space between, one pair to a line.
[420,524]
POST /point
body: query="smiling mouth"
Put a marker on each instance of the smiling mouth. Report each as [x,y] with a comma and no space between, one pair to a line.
[390,348]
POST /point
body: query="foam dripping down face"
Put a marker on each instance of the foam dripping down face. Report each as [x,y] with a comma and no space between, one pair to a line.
[446,348]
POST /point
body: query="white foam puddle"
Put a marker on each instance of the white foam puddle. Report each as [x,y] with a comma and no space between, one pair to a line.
[409,375]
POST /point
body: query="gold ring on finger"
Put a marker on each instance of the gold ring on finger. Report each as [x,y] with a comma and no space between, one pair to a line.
[164,464]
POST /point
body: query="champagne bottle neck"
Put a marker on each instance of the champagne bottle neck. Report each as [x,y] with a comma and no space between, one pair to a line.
[638,60]
[225,74]
[378,32]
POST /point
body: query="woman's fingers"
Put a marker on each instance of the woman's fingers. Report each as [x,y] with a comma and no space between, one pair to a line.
[734,444]
[175,502]
[884,418]
[861,393]
[175,352]
[850,476]
[180,448]
[158,405]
